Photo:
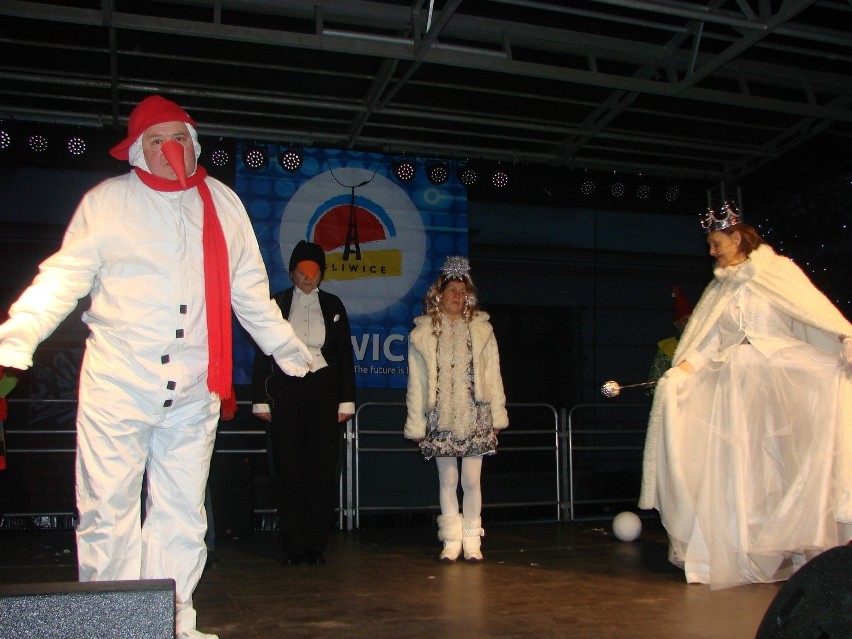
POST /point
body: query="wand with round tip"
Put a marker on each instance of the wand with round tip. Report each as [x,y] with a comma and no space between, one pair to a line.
[612,388]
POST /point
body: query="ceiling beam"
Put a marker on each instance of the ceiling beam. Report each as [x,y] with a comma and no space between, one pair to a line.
[405,50]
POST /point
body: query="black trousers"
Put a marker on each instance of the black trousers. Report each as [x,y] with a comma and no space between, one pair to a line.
[306,440]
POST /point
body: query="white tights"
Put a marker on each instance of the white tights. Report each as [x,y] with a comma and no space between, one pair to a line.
[448,480]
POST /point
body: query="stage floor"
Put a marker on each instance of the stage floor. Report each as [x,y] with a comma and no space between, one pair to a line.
[538,580]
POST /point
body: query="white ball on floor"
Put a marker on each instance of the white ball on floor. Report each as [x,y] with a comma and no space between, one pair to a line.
[627,526]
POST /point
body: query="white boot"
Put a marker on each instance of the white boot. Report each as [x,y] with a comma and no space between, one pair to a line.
[450,532]
[473,533]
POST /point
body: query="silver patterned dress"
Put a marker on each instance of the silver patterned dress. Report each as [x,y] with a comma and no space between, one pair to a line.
[458,426]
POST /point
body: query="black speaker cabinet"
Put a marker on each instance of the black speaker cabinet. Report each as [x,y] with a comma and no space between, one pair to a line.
[816,603]
[93,610]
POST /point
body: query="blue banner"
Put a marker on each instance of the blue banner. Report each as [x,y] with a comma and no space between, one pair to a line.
[385,242]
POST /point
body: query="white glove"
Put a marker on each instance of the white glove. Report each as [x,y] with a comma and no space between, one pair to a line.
[677,378]
[846,354]
[294,358]
[11,357]
[17,341]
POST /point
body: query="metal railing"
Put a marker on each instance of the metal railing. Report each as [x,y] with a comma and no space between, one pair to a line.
[369,438]
[570,447]
[549,441]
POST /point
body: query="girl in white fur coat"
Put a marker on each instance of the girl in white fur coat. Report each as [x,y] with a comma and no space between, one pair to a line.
[455,401]
[748,453]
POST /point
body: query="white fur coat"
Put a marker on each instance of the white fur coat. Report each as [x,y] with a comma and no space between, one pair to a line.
[423,373]
[777,279]
[815,320]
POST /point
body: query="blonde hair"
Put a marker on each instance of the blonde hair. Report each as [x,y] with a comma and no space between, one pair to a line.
[432,300]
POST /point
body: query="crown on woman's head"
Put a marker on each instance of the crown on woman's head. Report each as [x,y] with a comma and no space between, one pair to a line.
[717,219]
[456,267]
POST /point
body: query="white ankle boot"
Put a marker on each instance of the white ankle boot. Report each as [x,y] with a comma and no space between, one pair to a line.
[450,532]
[471,541]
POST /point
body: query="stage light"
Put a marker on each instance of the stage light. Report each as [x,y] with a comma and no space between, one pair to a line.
[404,170]
[5,140]
[438,173]
[643,192]
[220,157]
[290,159]
[616,189]
[587,187]
[76,146]
[37,143]
[500,179]
[672,194]
[255,157]
[467,175]
[219,154]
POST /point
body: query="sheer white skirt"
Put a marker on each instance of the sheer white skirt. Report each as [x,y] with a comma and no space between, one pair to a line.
[746,471]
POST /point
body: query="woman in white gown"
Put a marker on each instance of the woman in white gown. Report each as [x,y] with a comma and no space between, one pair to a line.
[749,444]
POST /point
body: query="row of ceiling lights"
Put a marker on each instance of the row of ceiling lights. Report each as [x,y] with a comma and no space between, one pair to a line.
[618,189]
[438,173]
[256,158]
[38,144]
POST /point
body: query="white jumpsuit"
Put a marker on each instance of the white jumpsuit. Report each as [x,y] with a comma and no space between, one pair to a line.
[143,397]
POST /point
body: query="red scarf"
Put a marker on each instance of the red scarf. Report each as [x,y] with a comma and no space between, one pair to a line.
[217,280]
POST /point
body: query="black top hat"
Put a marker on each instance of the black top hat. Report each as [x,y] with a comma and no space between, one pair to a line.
[307,251]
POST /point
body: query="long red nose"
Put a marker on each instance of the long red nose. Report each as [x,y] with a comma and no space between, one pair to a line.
[174,156]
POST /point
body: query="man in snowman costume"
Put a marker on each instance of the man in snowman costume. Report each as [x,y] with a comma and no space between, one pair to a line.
[165,252]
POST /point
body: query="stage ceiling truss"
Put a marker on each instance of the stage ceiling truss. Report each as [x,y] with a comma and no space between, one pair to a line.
[712,89]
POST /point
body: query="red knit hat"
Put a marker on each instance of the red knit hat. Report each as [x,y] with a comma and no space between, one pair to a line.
[152,110]
[682,308]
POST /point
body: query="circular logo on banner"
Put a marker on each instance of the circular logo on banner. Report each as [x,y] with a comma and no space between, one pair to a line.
[370,230]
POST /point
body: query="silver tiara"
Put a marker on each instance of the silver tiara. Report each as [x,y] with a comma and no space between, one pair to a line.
[716,220]
[456,267]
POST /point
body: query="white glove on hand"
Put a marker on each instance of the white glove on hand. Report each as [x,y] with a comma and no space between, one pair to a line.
[294,358]
[676,377]
[17,342]
[10,357]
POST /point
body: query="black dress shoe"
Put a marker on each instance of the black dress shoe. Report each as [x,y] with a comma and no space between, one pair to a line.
[292,559]
[315,558]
